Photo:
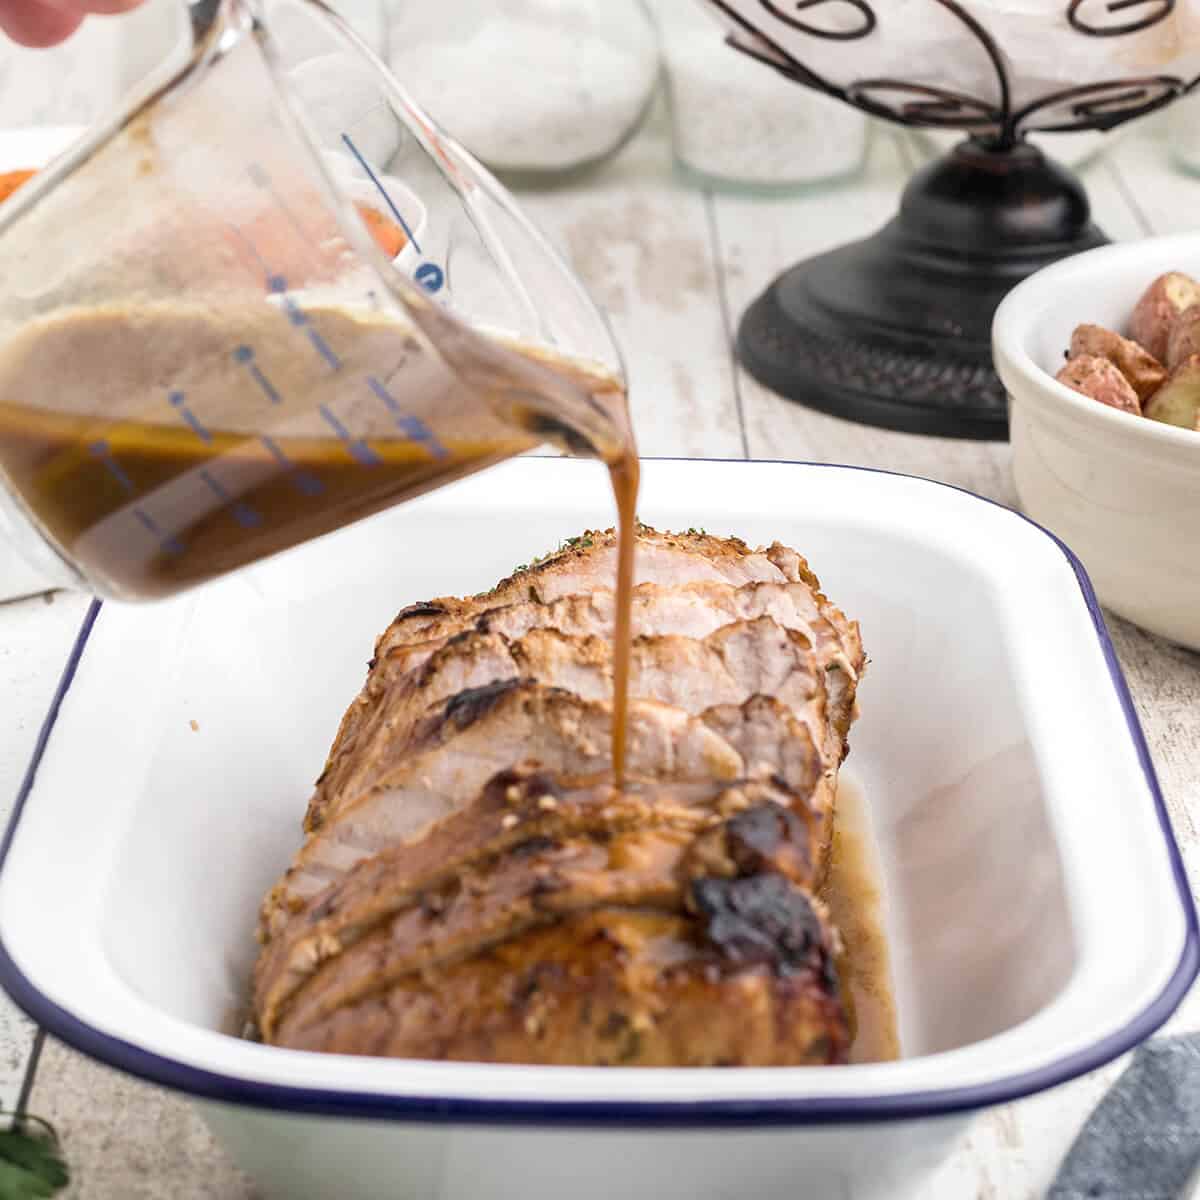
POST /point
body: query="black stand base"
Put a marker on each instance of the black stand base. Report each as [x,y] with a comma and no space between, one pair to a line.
[895,331]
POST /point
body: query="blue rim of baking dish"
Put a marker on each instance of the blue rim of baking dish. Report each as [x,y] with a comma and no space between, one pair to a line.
[759,1113]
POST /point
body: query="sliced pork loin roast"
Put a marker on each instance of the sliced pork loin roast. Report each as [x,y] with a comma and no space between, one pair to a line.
[455,751]
[587,567]
[525,807]
[474,885]
[695,610]
[588,564]
[739,660]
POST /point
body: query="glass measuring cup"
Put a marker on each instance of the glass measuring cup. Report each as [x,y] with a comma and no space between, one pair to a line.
[266,299]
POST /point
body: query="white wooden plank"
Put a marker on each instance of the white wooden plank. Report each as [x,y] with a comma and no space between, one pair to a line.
[639,238]
[1111,209]
[35,638]
[1168,199]
[17,578]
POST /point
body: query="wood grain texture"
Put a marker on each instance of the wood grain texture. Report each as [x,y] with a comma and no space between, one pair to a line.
[1164,201]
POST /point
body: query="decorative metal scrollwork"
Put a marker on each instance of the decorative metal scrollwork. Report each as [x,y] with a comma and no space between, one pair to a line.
[1152,12]
[1098,105]
[996,121]
[929,107]
[841,35]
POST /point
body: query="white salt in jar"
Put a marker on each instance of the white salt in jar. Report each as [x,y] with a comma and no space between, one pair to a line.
[737,123]
[530,87]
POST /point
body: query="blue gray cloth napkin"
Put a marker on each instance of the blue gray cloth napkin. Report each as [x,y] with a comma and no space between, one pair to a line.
[1143,1140]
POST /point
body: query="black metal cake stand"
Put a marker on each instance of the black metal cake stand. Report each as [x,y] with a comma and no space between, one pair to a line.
[894,330]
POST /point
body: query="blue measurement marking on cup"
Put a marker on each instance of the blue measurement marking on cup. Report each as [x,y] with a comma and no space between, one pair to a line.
[359,450]
[324,350]
[277,284]
[306,484]
[178,401]
[241,237]
[428,274]
[412,427]
[245,355]
[243,514]
[103,451]
[169,542]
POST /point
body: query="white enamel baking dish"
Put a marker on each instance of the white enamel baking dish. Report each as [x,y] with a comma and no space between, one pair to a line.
[1038,914]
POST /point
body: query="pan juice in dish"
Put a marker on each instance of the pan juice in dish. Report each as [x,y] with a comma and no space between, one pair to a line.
[855,897]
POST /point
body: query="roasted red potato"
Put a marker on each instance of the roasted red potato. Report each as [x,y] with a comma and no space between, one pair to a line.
[1159,308]
[1177,402]
[1185,337]
[1144,372]
[1099,379]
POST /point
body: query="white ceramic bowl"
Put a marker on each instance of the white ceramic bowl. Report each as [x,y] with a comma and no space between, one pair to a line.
[1122,491]
[1006,778]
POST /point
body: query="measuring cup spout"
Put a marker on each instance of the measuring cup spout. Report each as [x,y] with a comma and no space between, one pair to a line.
[578,406]
[483,284]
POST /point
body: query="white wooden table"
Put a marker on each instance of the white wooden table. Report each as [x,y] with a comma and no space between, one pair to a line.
[674,267]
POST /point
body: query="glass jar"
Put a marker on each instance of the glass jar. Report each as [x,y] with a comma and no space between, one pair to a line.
[1183,134]
[738,124]
[532,88]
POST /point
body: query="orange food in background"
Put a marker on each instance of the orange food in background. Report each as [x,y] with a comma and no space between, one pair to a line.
[11,180]
[389,237]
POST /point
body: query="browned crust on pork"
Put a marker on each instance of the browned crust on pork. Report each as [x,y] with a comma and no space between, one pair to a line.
[611,986]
